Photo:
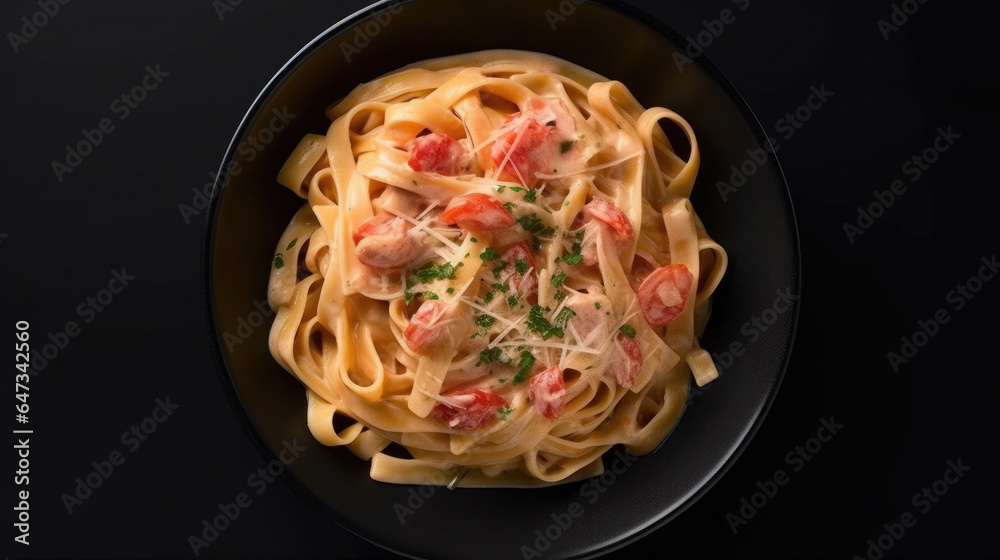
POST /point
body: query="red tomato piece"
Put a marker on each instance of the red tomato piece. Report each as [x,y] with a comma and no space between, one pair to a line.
[532,141]
[384,243]
[427,326]
[609,215]
[438,153]
[477,212]
[379,225]
[663,294]
[523,143]
[548,392]
[525,284]
[469,409]
[628,367]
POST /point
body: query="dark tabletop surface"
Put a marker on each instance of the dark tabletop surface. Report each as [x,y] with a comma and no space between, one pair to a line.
[879,443]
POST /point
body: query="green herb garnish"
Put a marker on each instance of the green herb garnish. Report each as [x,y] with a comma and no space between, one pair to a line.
[499,268]
[562,318]
[574,257]
[524,366]
[558,279]
[505,412]
[521,266]
[483,322]
[433,272]
[489,356]
[489,254]
[407,294]
[533,224]
[292,244]
[628,330]
[565,146]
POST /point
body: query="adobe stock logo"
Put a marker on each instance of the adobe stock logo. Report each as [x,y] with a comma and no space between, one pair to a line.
[33,24]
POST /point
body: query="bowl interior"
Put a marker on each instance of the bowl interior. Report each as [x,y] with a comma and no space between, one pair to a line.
[755,223]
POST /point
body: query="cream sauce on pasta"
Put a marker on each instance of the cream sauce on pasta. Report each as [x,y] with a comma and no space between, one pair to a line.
[498,268]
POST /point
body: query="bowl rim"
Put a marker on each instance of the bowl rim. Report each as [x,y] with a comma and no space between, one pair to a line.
[209,235]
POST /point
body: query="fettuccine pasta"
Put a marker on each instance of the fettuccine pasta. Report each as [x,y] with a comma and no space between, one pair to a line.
[497,275]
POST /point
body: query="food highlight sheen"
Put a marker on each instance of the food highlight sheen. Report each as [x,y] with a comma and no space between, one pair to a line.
[498,273]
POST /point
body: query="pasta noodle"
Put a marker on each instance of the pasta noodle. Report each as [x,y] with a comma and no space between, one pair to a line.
[497,275]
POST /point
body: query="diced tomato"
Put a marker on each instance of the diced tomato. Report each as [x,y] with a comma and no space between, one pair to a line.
[609,214]
[548,392]
[532,140]
[629,365]
[477,212]
[663,294]
[592,321]
[469,409]
[600,216]
[378,225]
[525,284]
[384,243]
[426,328]
[438,153]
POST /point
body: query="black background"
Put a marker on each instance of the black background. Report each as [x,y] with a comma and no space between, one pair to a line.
[61,240]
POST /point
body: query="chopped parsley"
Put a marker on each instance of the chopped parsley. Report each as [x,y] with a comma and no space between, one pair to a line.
[509,206]
[489,296]
[483,322]
[278,261]
[565,146]
[558,279]
[501,188]
[499,268]
[491,355]
[451,291]
[501,287]
[563,317]
[292,244]
[517,189]
[512,301]
[533,224]
[539,324]
[597,305]
[521,266]
[574,257]
[431,295]
[560,296]
[524,366]
[505,412]
[536,243]
[474,240]
[530,195]
[628,330]
[433,272]
[489,254]
[407,294]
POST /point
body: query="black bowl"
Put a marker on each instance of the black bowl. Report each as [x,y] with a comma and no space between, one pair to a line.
[754,222]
